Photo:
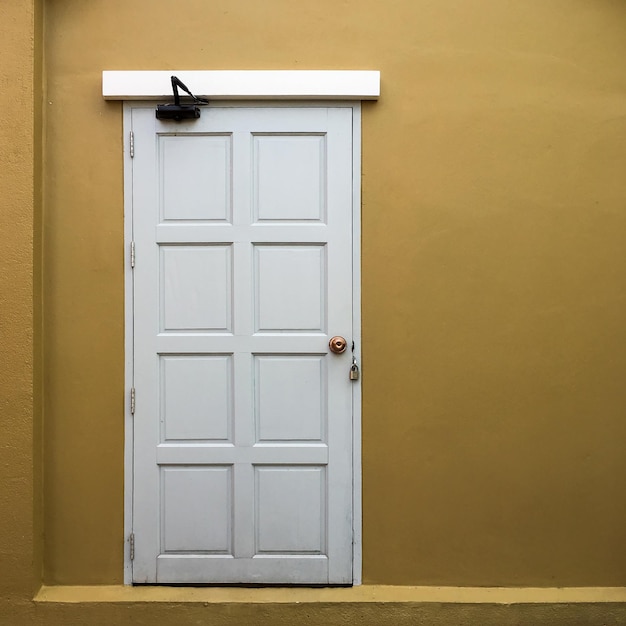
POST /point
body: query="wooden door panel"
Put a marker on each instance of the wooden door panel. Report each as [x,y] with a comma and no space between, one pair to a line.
[196,178]
[290,288]
[290,516]
[196,397]
[196,287]
[196,509]
[290,397]
[301,194]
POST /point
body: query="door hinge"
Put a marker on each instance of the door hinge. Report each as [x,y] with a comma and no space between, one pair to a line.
[131,144]
[131,541]
[132,254]
[132,401]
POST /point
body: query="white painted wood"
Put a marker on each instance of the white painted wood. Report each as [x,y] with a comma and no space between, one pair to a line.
[196,510]
[129,381]
[188,273]
[262,569]
[357,485]
[290,510]
[302,195]
[290,402]
[291,454]
[238,84]
[196,177]
[196,287]
[196,397]
[290,287]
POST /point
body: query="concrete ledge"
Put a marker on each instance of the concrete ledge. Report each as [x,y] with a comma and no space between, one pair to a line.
[368,605]
[351,595]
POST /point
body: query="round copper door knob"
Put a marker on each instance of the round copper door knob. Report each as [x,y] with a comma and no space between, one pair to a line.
[338,344]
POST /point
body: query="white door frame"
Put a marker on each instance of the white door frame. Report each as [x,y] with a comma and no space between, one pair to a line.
[356,319]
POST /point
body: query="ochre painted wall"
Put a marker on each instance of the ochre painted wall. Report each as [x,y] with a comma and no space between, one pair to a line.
[493,276]
[20,173]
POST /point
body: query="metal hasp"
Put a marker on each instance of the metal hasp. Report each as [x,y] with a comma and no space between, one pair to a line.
[178,111]
[337,344]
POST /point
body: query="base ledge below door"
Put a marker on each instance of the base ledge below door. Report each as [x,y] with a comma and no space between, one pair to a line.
[388,594]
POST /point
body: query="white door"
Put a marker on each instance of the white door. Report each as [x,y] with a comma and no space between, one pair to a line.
[242,223]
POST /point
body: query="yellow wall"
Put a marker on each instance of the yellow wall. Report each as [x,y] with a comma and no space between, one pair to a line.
[493,275]
[20,126]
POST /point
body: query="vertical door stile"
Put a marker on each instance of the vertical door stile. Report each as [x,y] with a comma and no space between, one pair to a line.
[243,428]
[339,148]
[146,524]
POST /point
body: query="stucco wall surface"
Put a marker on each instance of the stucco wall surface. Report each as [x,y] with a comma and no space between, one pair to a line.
[20,565]
[493,281]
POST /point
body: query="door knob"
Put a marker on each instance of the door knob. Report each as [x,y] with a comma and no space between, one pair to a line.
[338,344]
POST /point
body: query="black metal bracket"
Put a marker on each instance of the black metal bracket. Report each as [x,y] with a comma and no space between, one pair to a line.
[178,111]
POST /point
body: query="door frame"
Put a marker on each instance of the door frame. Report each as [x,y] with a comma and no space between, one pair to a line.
[357,555]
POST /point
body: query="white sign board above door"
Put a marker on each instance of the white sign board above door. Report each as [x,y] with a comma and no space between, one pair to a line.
[245,84]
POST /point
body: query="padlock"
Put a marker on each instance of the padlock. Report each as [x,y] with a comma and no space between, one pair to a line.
[354,372]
